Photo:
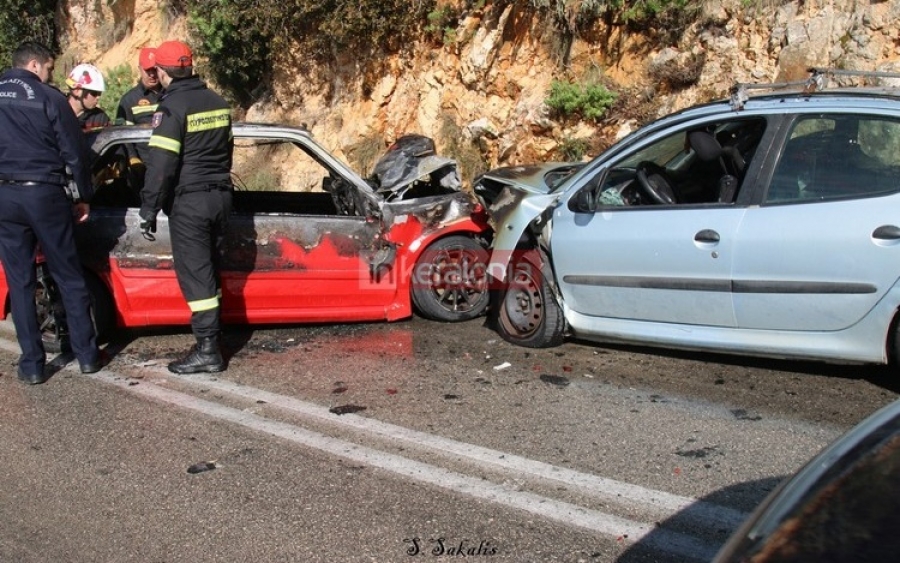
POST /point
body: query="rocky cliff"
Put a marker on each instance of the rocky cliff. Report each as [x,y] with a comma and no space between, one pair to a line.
[481,96]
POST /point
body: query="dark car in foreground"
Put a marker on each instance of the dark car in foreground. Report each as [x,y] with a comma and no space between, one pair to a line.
[842,506]
[765,224]
[309,240]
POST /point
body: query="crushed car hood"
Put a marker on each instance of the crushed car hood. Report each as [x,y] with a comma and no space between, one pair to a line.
[532,178]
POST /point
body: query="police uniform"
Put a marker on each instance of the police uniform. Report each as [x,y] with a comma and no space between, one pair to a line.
[189,177]
[39,138]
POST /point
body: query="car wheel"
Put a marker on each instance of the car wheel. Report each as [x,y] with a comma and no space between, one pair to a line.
[893,343]
[527,313]
[52,315]
[449,282]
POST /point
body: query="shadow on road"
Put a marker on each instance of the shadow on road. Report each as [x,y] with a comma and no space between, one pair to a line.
[885,377]
[652,548]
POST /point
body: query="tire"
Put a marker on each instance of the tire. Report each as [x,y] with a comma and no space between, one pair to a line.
[893,343]
[526,312]
[52,315]
[449,281]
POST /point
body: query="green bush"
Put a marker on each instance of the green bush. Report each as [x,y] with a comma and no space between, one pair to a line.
[441,24]
[241,38]
[588,101]
[119,80]
[572,16]
[235,42]
[571,149]
[25,20]
[643,10]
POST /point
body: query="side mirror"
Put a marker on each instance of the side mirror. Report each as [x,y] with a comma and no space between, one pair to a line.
[584,201]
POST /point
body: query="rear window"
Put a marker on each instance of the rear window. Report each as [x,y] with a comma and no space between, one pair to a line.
[837,156]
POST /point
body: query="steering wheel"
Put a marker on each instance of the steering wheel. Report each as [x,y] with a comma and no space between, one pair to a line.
[655,183]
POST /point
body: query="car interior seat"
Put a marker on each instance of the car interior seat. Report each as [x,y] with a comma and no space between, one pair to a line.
[709,149]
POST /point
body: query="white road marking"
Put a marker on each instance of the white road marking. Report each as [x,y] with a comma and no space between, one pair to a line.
[628,531]
[703,512]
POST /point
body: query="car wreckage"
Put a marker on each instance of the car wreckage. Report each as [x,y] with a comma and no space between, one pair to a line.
[309,240]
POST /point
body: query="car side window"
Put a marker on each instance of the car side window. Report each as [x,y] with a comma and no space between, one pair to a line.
[836,156]
[270,176]
[275,165]
[276,176]
[703,164]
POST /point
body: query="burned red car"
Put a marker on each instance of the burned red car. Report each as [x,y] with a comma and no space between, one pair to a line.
[309,240]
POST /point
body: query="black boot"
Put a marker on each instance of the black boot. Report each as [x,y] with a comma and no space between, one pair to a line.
[204,357]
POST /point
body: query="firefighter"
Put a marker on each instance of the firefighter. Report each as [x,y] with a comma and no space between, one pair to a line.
[137,107]
[189,178]
[39,139]
[86,85]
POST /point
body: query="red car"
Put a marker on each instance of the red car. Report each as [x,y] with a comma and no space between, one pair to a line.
[309,239]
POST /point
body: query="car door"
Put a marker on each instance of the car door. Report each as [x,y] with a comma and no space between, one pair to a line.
[664,264]
[302,240]
[634,260]
[824,247]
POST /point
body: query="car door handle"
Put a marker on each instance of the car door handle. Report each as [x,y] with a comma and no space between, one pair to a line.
[707,235]
[887,232]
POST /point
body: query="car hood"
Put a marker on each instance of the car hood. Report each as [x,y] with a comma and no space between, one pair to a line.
[440,169]
[532,178]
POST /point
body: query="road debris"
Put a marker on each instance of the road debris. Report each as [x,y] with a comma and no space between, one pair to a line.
[201,467]
[557,380]
[346,409]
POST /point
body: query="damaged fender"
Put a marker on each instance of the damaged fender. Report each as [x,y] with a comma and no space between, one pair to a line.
[512,212]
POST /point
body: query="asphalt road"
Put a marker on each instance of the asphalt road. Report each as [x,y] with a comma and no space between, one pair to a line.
[403,442]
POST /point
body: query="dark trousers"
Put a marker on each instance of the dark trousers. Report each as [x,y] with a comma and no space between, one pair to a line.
[197,227]
[42,214]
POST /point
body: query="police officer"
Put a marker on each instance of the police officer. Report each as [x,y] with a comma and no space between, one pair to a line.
[40,138]
[189,177]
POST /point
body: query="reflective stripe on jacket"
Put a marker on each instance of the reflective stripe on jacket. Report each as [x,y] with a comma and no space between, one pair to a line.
[138,105]
[191,144]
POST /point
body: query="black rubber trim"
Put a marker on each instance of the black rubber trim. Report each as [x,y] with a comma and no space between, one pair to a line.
[723,286]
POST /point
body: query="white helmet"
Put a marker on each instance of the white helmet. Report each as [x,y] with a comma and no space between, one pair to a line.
[87,77]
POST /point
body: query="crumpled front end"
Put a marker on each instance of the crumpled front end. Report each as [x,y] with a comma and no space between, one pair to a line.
[517,199]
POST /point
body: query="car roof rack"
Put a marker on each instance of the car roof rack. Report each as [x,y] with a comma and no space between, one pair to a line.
[738,95]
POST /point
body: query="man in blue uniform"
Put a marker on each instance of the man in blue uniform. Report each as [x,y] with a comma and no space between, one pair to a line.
[189,177]
[39,139]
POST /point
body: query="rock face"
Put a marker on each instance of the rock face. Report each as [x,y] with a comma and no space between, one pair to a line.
[481,97]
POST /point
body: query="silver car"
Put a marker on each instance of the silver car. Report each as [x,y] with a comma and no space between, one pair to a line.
[763,225]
